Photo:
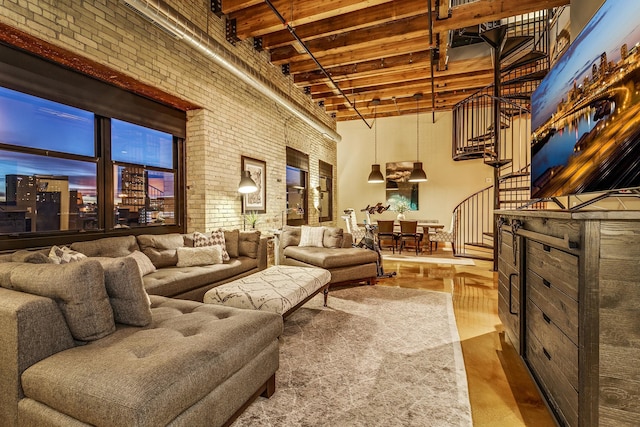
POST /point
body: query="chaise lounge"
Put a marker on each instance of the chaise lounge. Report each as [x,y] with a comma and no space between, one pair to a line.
[329,248]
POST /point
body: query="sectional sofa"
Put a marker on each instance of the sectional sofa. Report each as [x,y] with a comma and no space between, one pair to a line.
[94,342]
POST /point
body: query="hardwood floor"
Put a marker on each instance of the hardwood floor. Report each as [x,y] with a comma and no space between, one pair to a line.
[501,391]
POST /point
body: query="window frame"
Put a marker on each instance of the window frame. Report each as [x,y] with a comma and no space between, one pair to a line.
[325,171]
[27,73]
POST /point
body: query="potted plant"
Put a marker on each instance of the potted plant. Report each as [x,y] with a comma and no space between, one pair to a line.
[252,218]
[401,206]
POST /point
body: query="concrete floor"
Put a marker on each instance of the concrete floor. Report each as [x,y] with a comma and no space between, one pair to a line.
[500,389]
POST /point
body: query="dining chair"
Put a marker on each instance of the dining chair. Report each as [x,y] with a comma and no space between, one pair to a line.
[444,236]
[353,228]
[386,234]
[409,234]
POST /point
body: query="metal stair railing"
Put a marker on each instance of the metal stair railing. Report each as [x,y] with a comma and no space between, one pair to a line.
[473,226]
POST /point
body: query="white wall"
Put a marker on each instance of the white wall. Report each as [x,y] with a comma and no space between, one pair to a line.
[449,182]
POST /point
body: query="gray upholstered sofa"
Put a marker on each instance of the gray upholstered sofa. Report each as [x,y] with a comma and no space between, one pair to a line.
[334,252]
[82,344]
[247,252]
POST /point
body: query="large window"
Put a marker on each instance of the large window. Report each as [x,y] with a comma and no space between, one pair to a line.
[77,154]
[48,165]
[297,187]
[144,188]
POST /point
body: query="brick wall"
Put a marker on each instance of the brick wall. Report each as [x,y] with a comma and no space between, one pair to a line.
[234,119]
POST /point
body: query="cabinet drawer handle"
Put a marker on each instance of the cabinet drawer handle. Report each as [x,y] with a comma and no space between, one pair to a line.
[546,318]
[511,276]
[546,353]
[546,283]
[546,248]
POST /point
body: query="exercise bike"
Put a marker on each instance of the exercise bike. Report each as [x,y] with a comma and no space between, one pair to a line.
[369,239]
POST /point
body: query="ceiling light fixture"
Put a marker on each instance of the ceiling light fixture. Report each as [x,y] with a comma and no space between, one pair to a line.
[375,177]
[417,174]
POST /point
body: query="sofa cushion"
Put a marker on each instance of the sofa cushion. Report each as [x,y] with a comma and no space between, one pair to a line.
[171,281]
[231,241]
[333,237]
[248,243]
[109,246]
[144,263]
[34,257]
[148,376]
[331,257]
[161,248]
[78,288]
[311,236]
[127,296]
[290,236]
[206,255]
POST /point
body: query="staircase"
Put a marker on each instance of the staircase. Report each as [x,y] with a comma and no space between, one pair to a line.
[494,124]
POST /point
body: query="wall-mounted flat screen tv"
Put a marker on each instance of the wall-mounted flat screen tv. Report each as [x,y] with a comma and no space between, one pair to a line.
[585,114]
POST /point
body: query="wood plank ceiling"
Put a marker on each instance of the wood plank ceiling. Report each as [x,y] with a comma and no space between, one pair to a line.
[377,49]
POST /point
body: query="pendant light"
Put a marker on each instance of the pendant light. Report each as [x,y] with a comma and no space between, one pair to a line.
[417,174]
[375,177]
[247,185]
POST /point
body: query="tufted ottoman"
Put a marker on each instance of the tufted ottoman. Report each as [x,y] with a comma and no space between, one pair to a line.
[280,289]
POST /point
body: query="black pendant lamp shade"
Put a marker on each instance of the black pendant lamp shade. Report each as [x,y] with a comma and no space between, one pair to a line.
[417,174]
[375,177]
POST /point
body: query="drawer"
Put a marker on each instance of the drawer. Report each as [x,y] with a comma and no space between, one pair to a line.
[561,395]
[556,305]
[557,267]
[558,348]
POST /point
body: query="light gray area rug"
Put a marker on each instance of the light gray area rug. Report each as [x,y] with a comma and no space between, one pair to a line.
[376,356]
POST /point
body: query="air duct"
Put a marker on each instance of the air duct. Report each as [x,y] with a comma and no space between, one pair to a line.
[165,17]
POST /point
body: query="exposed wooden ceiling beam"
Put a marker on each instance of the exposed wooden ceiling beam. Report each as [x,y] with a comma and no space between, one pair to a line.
[363,18]
[259,19]
[405,29]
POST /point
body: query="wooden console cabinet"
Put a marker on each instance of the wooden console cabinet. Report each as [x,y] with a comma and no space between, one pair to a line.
[569,300]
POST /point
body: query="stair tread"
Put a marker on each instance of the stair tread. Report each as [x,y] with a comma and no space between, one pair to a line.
[474,256]
[525,59]
[529,77]
[513,175]
[504,190]
[514,43]
[479,245]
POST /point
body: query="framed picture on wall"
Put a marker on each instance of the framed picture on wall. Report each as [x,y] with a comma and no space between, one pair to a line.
[255,201]
[398,188]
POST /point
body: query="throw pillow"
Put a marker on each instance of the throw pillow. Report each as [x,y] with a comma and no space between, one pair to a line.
[231,242]
[161,248]
[127,296]
[215,238]
[77,287]
[144,263]
[203,255]
[248,243]
[64,255]
[311,236]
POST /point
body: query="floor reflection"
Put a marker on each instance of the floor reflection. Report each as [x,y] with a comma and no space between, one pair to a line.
[500,389]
